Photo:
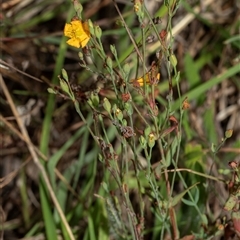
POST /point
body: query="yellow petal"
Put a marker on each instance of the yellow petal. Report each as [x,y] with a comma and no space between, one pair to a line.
[80,28]
[83,41]
[76,24]
[68,31]
[82,33]
[143,79]
[146,79]
[74,42]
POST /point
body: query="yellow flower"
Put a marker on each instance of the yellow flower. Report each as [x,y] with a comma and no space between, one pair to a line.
[152,77]
[78,32]
[140,81]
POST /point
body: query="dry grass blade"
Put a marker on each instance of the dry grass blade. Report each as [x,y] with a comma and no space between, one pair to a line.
[34,156]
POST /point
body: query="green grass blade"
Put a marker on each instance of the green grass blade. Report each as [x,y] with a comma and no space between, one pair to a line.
[53,161]
[50,227]
[92,235]
[49,223]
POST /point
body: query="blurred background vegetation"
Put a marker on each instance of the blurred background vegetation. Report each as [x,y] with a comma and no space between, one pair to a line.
[206,44]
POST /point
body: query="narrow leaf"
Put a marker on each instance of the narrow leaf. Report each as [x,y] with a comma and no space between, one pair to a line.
[179,197]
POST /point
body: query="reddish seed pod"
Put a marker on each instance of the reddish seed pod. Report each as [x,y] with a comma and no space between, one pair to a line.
[163,35]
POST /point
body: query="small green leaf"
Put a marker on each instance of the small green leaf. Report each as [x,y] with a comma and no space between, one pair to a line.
[171,151]
[188,203]
[124,122]
[196,196]
[105,187]
[147,131]
[64,74]
[178,198]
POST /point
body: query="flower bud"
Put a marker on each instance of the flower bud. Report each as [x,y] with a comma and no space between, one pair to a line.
[91,27]
[98,32]
[119,114]
[173,60]
[78,8]
[113,50]
[109,62]
[151,140]
[107,105]
[143,142]
[64,86]
[64,74]
[228,133]
[95,99]
[128,108]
